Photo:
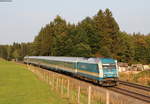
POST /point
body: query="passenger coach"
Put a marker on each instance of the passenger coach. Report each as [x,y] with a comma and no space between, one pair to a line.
[103,71]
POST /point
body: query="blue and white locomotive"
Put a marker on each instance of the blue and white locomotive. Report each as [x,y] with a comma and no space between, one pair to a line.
[103,71]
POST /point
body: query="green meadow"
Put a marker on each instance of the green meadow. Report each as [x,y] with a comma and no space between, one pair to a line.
[20,86]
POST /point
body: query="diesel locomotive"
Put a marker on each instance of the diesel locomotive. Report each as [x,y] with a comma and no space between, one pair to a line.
[103,71]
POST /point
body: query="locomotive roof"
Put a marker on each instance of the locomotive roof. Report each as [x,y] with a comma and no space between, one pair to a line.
[68,59]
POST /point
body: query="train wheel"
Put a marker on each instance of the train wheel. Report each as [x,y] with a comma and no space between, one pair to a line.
[116,83]
[100,83]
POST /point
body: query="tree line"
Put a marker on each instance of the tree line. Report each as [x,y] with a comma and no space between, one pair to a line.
[97,36]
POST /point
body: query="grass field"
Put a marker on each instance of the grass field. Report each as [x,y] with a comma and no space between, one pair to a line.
[20,86]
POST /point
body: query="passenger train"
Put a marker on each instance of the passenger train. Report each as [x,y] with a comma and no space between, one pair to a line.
[103,71]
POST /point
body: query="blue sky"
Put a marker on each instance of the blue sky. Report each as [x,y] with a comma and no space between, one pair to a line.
[21,20]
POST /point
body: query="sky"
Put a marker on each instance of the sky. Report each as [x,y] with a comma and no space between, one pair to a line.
[21,20]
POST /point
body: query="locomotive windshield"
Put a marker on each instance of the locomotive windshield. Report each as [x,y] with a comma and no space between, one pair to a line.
[109,66]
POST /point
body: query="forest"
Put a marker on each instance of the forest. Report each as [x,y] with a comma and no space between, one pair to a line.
[97,36]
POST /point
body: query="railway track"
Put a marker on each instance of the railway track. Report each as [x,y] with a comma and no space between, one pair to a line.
[133,90]
[134,85]
[133,94]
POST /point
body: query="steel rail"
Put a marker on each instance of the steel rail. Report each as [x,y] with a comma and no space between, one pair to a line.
[134,85]
[131,94]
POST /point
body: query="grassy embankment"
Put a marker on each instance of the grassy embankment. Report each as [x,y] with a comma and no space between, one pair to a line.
[20,86]
[141,78]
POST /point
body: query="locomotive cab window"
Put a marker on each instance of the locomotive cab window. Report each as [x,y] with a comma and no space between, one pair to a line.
[109,66]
